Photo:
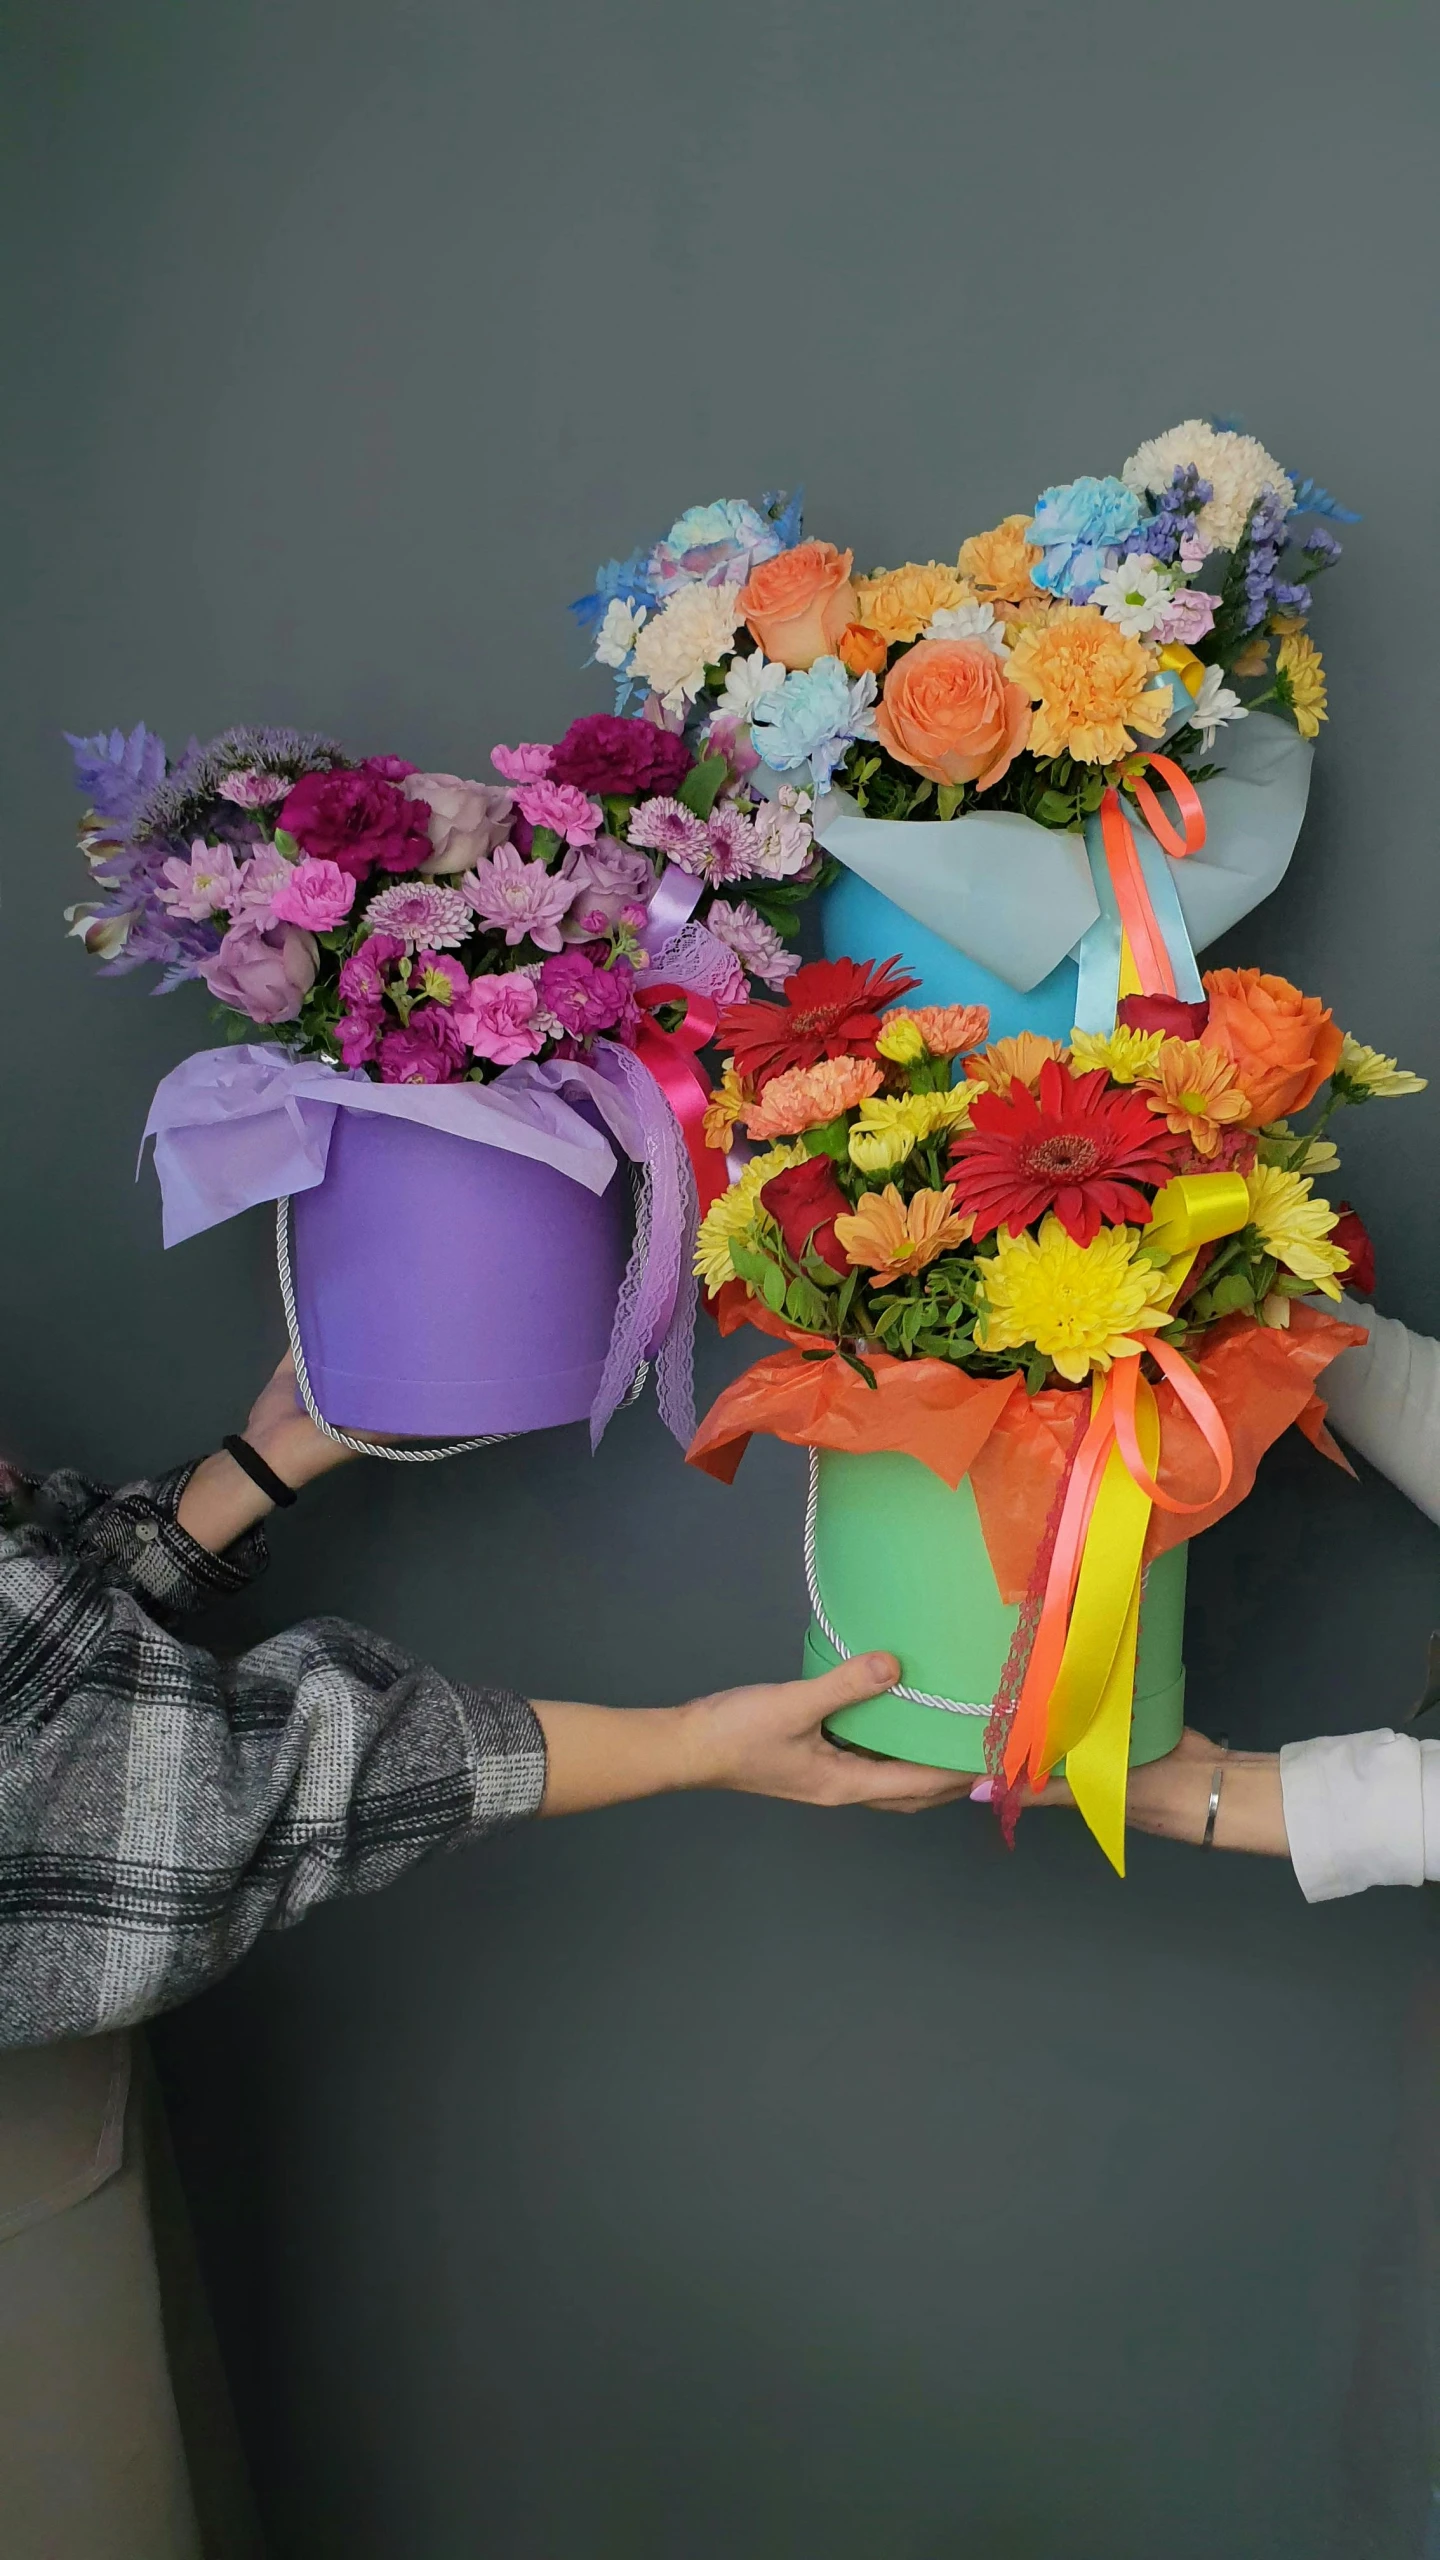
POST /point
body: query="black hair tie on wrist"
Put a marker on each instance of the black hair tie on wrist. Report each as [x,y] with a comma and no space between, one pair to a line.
[272,1486]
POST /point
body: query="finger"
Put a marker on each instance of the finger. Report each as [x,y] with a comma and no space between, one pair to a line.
[896,1783]
[869,1675]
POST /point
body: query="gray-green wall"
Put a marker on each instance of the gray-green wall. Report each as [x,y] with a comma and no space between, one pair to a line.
[718,2177]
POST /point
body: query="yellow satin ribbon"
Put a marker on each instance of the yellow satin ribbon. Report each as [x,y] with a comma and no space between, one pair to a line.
[1088,1714]
[1177,660]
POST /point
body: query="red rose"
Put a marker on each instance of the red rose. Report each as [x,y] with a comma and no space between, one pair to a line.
[1163,1013]
[805,1202]
[359,821]
[1353,1237]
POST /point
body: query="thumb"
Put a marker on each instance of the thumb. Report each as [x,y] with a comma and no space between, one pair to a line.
[868,1676]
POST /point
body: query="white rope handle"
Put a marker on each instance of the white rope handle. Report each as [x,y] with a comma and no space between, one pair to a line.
[916,1697]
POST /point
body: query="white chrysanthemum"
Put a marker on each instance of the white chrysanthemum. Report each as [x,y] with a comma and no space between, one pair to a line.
[1237,468]
[969,621]
[1213,705]
[747,681]
[1135,595]
[677,644]
[619,631]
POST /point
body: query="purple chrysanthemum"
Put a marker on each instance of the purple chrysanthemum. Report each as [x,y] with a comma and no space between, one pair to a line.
[420,911]
[663,826]
[733,849]
[756,945]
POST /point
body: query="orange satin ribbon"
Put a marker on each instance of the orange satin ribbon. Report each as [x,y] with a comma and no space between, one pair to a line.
[1138,920]
[1112,1426]
[673,1060]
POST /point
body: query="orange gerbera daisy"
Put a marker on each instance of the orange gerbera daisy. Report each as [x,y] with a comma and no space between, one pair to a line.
[1195,1091]
[1022,1055]
[892,1236]
[806,1097]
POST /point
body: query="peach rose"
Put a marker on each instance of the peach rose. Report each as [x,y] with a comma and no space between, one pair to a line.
[949,713]
[798,603]
[862,652]
[1281,1044]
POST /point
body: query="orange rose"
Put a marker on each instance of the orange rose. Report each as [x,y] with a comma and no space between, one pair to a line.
[798,604]
[1282,1045]
[862,652]
[949,712]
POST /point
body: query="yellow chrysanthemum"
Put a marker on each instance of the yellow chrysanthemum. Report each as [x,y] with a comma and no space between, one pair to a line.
[1294,1228]
[730,1219]
[898,1039]
[1087,680]
[924,1115]
[1023,1054]
[1302,669]
[728,1100]
[898,603]
[1375,1075]
[998,563]
[1124,1054]
[1083,1305]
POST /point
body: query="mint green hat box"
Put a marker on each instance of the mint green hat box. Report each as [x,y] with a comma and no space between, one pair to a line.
[900,1566]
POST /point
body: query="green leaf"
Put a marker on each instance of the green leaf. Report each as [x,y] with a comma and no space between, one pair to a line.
[1232,1293]
[851,1362]
[286,843]
[1055,809]
[702,786]
[831,1139]
[544,845]
[805,1306]
[846,1299]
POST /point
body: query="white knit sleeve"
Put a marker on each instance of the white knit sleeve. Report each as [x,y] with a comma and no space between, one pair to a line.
[1361,1809]
[1384,1399]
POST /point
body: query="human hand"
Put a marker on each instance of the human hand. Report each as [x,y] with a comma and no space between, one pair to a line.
[768,1741]
[286,1438]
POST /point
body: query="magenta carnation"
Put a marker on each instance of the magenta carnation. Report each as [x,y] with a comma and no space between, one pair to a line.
[429,1049]
[388,768]
[358,820]
[601,753]
[582,997]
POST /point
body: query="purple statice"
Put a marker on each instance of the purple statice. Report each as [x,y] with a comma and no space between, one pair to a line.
[1266,536]
[1320,548]
[1173,517]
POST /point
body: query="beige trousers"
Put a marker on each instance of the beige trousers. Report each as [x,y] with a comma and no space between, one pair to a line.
[93,2460]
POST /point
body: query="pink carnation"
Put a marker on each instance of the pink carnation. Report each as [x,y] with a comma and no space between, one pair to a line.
[1187,617]
[522,764]
[559,806]
[497,1018]
[315,894]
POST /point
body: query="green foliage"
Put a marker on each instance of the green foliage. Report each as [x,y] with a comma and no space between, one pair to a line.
[702,786]
[806,1307]
[831,1139]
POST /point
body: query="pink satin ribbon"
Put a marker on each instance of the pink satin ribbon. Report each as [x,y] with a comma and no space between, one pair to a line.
[672,1058]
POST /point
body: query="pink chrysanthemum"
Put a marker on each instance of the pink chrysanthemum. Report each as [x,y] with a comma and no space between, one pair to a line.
[733,846]
[663,826]
[756,945]
[419,911]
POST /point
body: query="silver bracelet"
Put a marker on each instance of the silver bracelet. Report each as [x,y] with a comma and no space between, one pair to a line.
[1217,1781]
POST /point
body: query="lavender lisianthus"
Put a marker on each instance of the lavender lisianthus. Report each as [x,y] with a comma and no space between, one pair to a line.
[606,878]
[264,975]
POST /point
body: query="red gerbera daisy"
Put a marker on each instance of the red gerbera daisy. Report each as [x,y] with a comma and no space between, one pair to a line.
[1075,1147]
[831,1009]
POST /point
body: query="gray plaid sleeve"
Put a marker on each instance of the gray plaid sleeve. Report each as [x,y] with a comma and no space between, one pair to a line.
[134,1541]
[159,1807]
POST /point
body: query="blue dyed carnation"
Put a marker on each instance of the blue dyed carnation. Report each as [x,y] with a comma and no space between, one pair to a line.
[1079,527]
[812,717]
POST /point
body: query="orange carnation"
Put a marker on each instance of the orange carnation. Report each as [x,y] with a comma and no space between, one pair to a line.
[1088,682]
[998,564]
[863,652]
[799,603]
[1281,1044]
[949,712]
[806,1097]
